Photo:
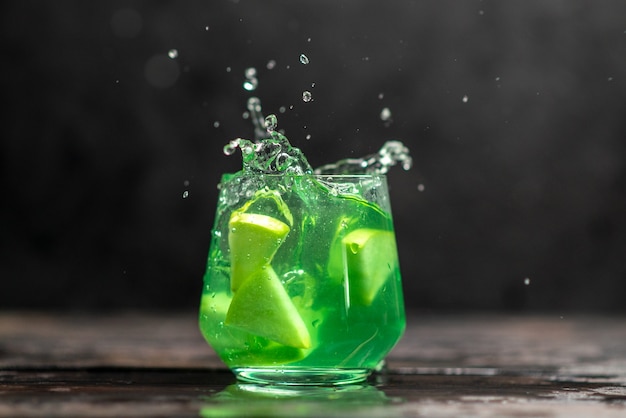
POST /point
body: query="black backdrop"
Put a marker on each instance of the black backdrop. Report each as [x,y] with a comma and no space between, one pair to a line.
[514,113]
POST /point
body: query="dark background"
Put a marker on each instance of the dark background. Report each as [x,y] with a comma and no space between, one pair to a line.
[523,201]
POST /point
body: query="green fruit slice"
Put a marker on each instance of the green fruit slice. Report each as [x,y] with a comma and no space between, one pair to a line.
[370,258]
[253,240]
[235,345]
[273,354]
[262,307]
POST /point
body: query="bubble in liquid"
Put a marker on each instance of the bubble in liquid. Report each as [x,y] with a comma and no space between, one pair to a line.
[304,59]
[172,53]
[385,114]
[307,96]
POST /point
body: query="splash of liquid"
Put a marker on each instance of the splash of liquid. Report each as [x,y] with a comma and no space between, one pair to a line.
[271,152]
[389,155]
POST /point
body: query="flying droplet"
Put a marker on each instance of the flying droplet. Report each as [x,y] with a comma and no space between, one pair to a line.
[385,114]
[304,59]
[216,124]
[251,84]
[307,96]
[172,53]
[250,72]
[271,121]
[206,27]
[271,64]
[527,281]
[185,194]
[465,99]
[420,187]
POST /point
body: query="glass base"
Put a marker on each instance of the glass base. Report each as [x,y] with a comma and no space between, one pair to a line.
[301,376]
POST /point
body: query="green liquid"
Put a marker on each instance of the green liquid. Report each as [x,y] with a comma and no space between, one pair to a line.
[353,319]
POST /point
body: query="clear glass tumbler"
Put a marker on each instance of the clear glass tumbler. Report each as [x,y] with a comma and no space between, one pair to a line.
[303,284]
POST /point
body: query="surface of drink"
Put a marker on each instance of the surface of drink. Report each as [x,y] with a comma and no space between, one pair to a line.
[302,283]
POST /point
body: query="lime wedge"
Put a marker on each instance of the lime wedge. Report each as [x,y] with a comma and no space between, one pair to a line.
[262,307]
[273,354]
[370,258]
[253,240]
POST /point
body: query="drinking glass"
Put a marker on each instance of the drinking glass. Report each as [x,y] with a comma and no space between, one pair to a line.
[302,285]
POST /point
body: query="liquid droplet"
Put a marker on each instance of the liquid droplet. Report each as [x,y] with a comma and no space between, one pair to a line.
[385,114]
[271,121]
[304,59]
[231,147]
[251,81]
[251,84]
[307,96]
[172,53]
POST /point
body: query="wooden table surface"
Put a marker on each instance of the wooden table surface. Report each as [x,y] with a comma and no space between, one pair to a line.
[138,364]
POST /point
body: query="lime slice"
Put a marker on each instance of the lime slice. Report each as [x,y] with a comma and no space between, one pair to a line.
[262,307]
[253,240]
[235,345]
[370,258]
[214,305]
[273,354]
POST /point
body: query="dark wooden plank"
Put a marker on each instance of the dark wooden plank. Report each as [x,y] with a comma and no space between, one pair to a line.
[158,365]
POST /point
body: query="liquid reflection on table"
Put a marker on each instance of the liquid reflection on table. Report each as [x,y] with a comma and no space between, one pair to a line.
[158,365]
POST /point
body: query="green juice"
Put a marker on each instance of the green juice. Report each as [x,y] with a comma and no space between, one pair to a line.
[335,259]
